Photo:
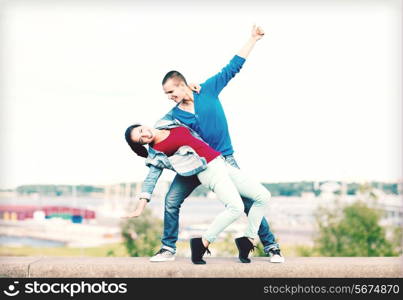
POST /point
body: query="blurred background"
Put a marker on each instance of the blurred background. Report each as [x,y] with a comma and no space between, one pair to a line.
[320,95]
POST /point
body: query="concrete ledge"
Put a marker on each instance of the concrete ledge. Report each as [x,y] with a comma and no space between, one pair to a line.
[16,266]
[216,267]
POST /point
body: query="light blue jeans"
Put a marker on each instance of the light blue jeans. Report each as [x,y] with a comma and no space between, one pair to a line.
[180,189]
[229,184]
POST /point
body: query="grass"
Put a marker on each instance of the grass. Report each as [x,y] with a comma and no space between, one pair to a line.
[117,249]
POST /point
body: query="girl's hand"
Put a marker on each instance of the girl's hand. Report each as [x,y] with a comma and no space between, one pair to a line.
[138,211]
[134,214]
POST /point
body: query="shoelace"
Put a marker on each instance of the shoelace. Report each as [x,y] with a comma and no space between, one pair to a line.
[275,252]
[161,251]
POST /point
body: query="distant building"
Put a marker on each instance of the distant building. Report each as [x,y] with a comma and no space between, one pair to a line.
[23,212]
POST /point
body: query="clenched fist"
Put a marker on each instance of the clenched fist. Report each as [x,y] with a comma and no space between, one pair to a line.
[257,32]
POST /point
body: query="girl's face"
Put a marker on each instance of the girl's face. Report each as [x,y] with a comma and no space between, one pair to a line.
[142,134]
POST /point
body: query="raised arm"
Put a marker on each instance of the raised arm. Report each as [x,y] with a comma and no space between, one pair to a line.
[257,34]
[217,82]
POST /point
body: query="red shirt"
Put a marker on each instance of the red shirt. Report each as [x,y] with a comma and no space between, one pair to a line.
[181,136]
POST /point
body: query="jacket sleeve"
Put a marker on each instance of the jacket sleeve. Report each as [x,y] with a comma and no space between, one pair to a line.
[150,182]
[217,82]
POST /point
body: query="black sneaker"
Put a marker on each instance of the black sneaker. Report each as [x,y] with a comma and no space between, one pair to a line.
[198,250]
[244,246]
[275,255]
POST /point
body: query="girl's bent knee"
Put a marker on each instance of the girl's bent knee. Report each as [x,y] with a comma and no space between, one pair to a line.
[264,198]
[236,210]
[267,196]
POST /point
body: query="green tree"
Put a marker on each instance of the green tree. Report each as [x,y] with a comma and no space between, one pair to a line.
[142,235]
[398,239]
[352,230]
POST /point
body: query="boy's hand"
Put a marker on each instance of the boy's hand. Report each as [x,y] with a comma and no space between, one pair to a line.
[257,32]
[195,87]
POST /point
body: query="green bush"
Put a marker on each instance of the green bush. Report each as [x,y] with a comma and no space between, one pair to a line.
[352,230]
[142,235]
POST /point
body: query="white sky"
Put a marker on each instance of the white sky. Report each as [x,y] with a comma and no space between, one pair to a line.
[319,98]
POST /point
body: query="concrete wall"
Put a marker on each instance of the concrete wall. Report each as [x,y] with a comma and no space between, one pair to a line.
[141,267]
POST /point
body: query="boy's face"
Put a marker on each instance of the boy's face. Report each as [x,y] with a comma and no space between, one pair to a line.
[175,89]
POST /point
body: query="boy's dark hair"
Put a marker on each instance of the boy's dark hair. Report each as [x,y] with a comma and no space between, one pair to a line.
[137,148]
[174,74]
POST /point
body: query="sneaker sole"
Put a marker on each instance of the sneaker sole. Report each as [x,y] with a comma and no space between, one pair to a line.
[277,260]
[162,260]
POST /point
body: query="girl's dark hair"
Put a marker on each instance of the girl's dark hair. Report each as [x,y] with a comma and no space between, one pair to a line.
[137,148]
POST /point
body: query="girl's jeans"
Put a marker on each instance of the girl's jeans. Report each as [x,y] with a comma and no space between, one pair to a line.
[229,184]
[179,190]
